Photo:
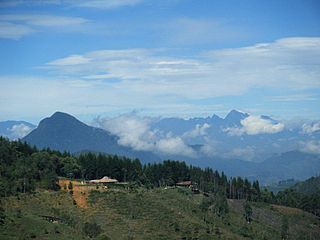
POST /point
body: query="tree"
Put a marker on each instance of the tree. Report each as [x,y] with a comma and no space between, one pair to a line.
[247,212]
[70,167]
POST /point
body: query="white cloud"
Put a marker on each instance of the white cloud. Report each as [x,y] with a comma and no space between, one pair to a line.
[15,26]
[71,60]
[291,63]
[188,31]
[43,20]
[174,146]
[14,31]
[135,132]
[200,130]
[19,131]
[310,128]
[293,98]
[253,125]
[312,146]
[102,4]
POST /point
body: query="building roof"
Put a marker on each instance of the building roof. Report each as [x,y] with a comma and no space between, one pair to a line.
[105,179]
[184,183]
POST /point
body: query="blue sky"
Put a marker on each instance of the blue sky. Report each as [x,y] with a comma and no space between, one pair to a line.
[162,58]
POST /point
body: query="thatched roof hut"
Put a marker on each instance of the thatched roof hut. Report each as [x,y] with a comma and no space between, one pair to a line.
[105,179]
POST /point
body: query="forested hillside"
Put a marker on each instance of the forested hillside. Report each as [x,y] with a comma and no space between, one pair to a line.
[215,205]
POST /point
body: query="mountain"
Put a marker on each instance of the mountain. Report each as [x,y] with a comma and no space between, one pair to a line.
[64,132]
[178,126]
[15,129]
[234,118]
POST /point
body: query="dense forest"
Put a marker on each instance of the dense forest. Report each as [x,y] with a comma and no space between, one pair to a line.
[24,168]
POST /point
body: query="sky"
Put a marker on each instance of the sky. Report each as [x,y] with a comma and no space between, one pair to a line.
[183,58]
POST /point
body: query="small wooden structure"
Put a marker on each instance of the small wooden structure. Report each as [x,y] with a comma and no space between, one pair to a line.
[104,180]
[185,184]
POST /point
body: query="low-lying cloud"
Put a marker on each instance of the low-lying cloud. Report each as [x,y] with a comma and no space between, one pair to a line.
[253,125]
[312,146]
[135,131]
[310,128]
[19,131]
[199,130]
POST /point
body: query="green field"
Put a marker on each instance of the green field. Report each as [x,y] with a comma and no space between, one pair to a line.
[139,213]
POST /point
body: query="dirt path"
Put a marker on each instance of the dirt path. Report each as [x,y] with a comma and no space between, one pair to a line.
[80,191]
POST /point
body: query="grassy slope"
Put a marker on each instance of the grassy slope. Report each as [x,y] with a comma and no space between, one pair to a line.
[147,214]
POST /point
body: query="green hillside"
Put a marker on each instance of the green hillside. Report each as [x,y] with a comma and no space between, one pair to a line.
[281,185]
[38,200]
[160,213]
[311,185]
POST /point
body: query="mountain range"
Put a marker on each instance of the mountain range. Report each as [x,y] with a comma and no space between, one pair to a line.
[239,144]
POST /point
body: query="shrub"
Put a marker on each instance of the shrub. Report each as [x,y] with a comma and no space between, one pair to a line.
[70,186]
[92,230]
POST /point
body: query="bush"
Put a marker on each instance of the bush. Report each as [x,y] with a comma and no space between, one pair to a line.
[92,230]
[245,232]
[70,186]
